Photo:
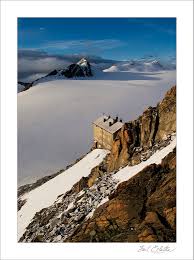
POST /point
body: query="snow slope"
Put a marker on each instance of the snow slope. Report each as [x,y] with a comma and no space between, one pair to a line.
[46,194]
[129,171]
[55,118]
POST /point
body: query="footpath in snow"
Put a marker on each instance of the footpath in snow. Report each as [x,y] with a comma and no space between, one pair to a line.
[46,194]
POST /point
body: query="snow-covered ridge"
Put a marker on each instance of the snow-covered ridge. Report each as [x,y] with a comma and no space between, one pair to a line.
[140,66]
[46,194]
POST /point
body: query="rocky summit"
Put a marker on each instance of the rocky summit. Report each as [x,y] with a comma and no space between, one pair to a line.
[104,206]
[80,69]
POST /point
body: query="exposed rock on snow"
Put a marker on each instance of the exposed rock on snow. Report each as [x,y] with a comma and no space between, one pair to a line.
[80,69]
[64,216]
[22,86]
[46,194]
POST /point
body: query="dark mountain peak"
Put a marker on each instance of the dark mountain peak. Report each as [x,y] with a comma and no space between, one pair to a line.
[80,69]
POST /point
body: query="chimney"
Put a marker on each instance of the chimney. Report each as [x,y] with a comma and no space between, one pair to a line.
[115,120]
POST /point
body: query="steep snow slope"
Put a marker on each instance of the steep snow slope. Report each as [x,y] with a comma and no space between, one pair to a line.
[55,118]
[46,194]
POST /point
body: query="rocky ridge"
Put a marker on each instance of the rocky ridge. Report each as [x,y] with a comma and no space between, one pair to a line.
[80,69]
[142,209]
[151,128]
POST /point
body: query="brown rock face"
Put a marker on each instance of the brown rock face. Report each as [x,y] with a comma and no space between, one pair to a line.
[80,185]
[167,114]
[141,209]
[86,182]
[149,124]
[122,149]
[152,126]
[170,215]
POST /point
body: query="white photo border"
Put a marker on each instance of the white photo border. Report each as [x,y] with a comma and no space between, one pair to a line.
[10,11]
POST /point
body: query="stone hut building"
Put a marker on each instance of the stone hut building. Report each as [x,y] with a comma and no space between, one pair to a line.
[105,130]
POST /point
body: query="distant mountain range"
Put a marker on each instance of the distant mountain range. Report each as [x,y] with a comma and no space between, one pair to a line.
[80,69]
[99,68]
[139,66]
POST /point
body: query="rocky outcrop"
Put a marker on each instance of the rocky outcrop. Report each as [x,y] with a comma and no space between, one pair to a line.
[148,126]
[25,86]
[122,148]
[153,126]
[87,182]
[167,115]
[142,209]
[57,222]
[80,69]
[74,70]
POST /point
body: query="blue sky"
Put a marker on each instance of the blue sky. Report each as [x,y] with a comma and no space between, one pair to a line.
[110,38]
